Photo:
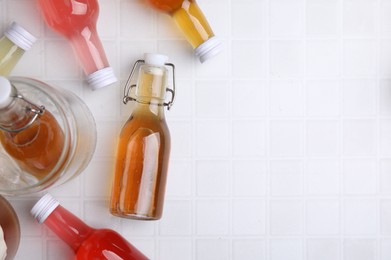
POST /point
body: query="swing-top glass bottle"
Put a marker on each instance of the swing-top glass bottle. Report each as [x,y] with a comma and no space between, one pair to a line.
[144,144]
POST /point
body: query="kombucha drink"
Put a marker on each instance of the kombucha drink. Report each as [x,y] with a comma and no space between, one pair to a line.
[33,138]
[85,241]
[143,152]
[38,148]
[10,224]
[193,24]
[10,54]
[76,21]
[13,45]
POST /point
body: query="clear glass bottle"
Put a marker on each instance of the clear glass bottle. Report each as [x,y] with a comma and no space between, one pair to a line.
[48,135]
[76,21]
[143,146]
[29,134]
[15,42]
[85,241]
[193,24]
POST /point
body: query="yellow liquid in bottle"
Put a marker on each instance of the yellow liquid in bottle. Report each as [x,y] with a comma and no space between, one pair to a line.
[10,54]
[188,17]
[193,23]
[142,157]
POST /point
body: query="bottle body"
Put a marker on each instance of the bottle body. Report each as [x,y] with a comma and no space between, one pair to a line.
[86,242]
[9,222]
[76,20]
[10,54]
[50,150]
[193,24]
[189,18]
[143,150]
[141,167]
[38,148]
[15,42]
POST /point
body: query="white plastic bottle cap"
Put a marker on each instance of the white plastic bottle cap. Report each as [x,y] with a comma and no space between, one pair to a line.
[155,59]
[44,207]
[5,92]
[101,78]
[20,36]
[208,49]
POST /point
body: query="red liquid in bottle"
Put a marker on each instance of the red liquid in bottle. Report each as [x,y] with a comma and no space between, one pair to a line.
[86,242]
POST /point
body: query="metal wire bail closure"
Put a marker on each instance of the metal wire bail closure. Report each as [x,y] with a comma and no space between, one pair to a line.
[37,110]
[127,89]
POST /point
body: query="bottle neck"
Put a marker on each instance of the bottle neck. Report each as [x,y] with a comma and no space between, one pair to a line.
[192,23]
[151,89]
[16,115]
[68,227]
[89,49]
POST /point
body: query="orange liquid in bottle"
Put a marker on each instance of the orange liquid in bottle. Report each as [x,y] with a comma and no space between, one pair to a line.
[141,167]
[188,17]
[38,148]
[142,158]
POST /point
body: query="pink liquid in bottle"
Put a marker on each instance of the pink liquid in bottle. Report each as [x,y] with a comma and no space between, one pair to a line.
[76,20]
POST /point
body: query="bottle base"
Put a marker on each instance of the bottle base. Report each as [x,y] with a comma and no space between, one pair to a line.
[134,216]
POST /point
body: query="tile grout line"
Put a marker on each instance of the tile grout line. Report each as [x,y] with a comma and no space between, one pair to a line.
[341,131]
[378,125]
[305,133]
[268,221]
[230,97]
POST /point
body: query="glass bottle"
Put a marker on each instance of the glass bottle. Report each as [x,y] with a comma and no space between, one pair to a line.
[42,145]
[9,222]
[15,42]
[143,146]
[86,242]
[193,24]
[30,134]
[76,20]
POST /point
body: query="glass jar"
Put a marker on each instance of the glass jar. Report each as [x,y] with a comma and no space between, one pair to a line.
[9,222]
[78,126]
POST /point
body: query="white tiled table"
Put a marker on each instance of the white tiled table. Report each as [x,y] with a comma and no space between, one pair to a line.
[281,146]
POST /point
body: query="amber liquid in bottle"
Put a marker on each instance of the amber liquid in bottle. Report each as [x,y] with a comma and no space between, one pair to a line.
[143,154]
[38,148]
[188,17]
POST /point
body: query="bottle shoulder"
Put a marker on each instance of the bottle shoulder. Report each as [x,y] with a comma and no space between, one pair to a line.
[149,122]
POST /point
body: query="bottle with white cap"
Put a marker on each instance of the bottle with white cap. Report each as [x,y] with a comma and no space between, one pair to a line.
[193,24]
[76,20]
[15,42]
[144,143]
[86,242]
